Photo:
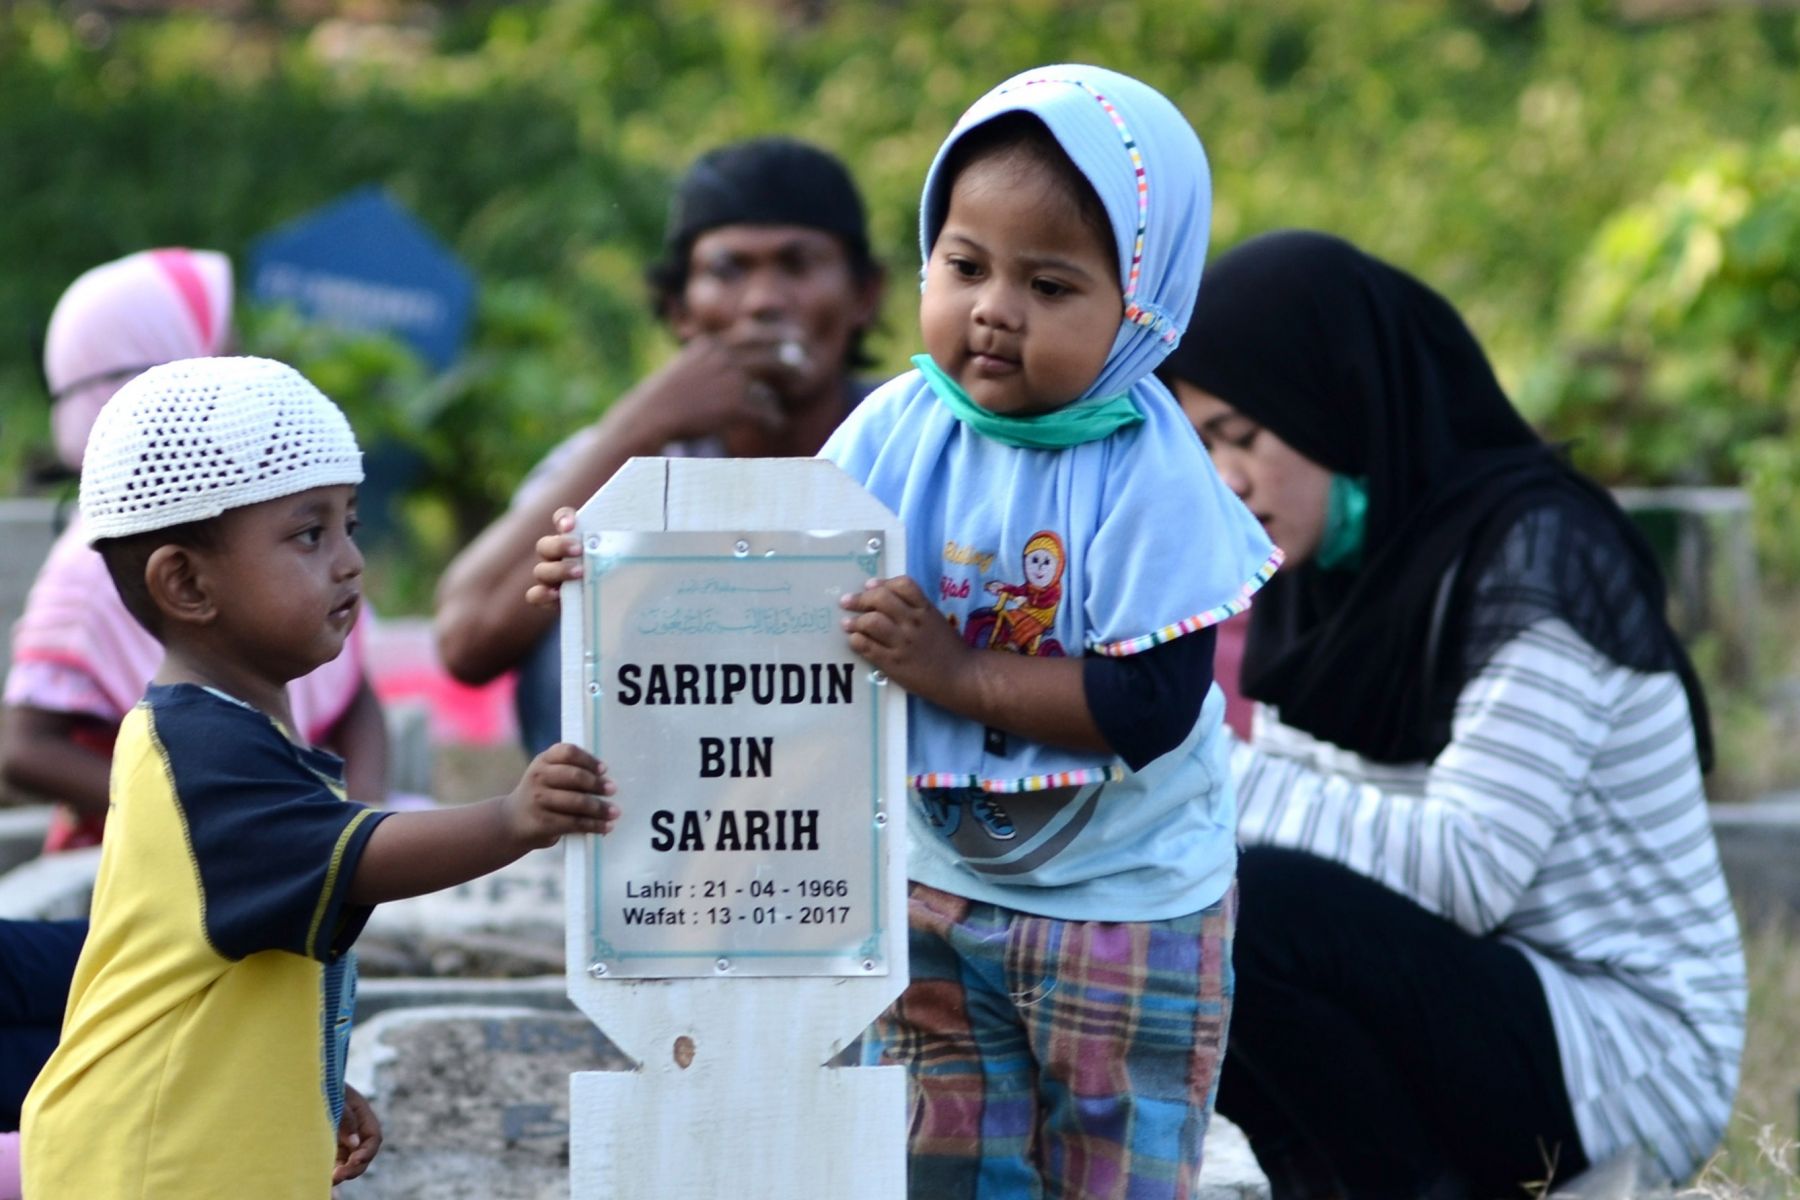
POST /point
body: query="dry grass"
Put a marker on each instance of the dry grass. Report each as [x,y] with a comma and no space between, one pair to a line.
[1758,1158]
[1772,1174]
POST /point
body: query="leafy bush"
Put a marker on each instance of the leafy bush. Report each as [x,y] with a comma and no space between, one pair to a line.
[1680,338]
[1478,143]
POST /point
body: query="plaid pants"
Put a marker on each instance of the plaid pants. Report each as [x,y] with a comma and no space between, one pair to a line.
[1055,1060]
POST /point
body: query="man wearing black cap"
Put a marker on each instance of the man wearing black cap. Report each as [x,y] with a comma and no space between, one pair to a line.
[767,280]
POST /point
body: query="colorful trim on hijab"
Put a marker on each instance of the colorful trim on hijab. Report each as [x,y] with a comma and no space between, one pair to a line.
[1211,616]
[1135,314]
[1027,783]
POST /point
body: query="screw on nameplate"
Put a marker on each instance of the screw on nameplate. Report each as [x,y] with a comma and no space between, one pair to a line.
[684,1051]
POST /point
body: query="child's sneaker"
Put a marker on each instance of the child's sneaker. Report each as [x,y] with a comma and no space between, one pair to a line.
[993,818]
[943,813]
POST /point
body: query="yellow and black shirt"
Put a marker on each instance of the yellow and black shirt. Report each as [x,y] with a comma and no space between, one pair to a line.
[202,1051]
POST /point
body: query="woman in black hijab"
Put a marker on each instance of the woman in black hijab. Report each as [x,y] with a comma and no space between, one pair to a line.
[1485,940]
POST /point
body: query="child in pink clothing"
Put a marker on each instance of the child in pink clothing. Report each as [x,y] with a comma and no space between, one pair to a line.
[79,661]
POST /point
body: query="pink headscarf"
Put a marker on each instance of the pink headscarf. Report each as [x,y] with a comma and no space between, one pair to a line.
[147,308]
[152,307]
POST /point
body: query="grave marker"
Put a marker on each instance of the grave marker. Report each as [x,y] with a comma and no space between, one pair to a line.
[745,922]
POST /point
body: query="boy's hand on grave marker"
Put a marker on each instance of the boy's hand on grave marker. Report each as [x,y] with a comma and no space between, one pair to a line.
[559,560]
[564,790]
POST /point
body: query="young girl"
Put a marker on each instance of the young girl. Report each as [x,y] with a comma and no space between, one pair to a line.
[1072,911]
[1071,939]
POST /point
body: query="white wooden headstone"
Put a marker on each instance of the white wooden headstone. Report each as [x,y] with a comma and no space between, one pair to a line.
[733,982]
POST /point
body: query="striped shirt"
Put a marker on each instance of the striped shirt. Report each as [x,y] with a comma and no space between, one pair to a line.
[1565,815]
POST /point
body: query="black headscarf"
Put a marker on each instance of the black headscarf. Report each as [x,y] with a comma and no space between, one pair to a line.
[1476,529]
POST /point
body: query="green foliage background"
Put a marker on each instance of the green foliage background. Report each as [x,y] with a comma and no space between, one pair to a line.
[1530,160]
[1613,203]
[1680,335]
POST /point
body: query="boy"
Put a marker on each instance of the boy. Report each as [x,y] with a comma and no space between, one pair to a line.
[202,1053]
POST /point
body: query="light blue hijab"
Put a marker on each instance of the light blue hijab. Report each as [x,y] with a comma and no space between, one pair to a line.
[1155,546]
[1147,166]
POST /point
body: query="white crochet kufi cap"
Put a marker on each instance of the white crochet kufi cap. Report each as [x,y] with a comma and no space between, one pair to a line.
[192,439]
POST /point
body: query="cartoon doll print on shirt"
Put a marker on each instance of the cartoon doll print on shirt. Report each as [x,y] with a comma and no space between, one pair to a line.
[1020,621]
[1023,614]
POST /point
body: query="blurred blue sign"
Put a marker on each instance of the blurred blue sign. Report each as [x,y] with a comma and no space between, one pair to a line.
[363,262]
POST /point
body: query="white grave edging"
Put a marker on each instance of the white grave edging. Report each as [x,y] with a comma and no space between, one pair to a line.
[471,1100]
[22,833]
[52,887]
[731,1094]
[1229,1171]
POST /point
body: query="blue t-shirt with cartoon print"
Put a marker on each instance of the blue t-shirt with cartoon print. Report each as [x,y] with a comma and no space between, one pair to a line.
[1108,547]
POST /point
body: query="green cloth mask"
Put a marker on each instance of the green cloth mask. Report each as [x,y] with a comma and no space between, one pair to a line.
[1071,425]
[1346,520]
